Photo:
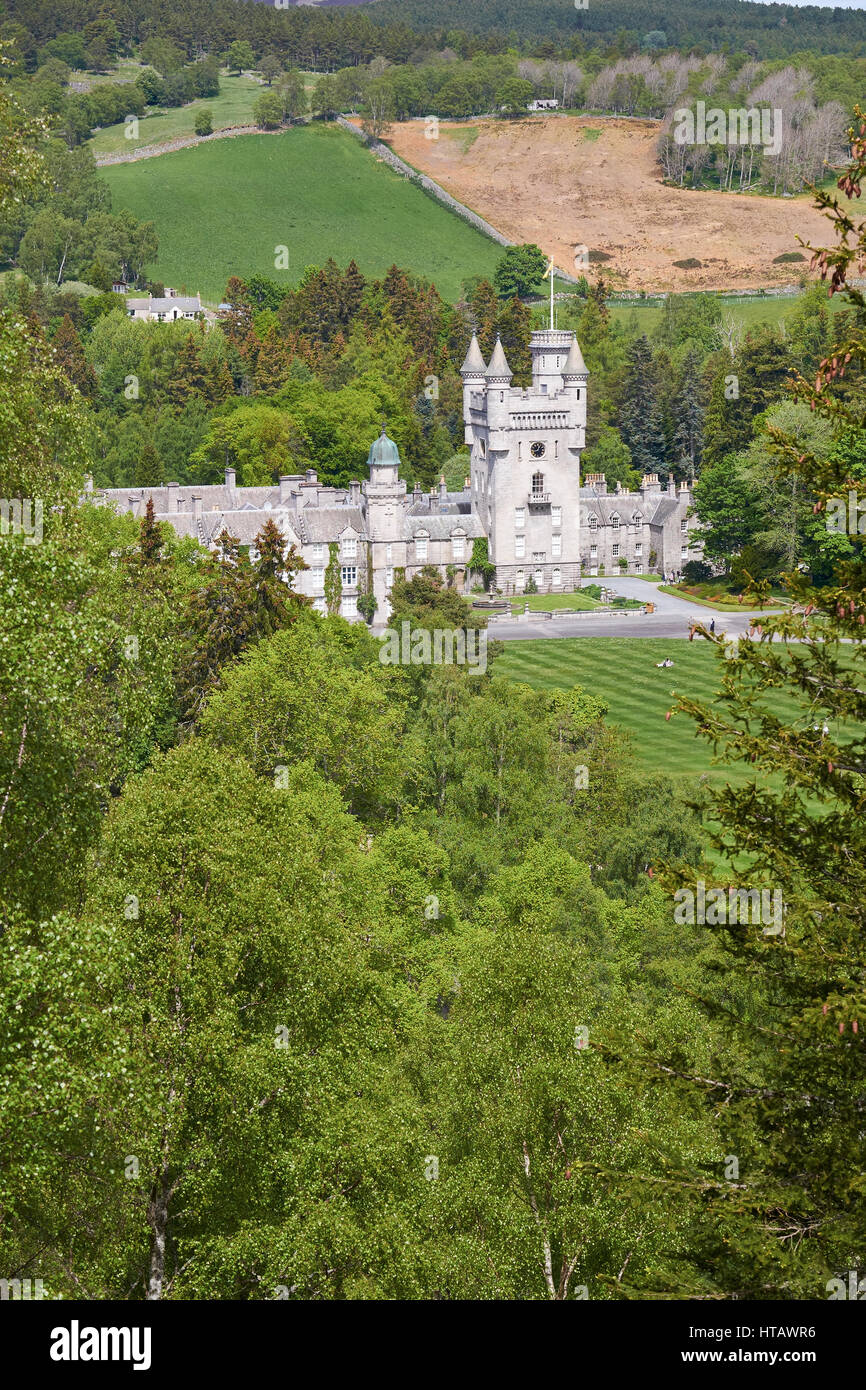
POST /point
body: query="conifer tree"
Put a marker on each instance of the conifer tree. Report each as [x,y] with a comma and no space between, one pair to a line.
[149,470]
[640,415]
[272,363]
[689,415]
[69,353]
[188,379]
[484,306]
[514,327]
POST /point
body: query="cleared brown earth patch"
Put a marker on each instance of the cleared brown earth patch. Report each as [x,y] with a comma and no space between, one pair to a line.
[545,180]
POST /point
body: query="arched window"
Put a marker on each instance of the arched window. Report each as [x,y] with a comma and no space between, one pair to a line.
[537,484]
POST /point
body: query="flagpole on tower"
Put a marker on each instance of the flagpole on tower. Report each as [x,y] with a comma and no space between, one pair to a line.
[550,273]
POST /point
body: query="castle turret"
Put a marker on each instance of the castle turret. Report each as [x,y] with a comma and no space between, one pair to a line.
[498,377]
[473,373]
[574,373]
[550,349]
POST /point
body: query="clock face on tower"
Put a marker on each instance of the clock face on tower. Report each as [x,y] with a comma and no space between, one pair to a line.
[537,451]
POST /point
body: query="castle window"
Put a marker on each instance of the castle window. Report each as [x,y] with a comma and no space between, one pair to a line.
[349,576]
[349,608]
[389,577]
[519,579]
[614,521]
[458,545]
[684,525]
[318,581]
[538,482]
[637,519]
[615,551]
[556,546]
[520,517]
[593,523]
[557,578]
[350,548]
[556,516]
[318,554]
[388,555]
[593,552]
[519,547]
[421,549]
[638,550]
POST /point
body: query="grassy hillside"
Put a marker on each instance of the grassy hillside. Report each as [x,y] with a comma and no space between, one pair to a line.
[233,106]
[221,208]
[623,672]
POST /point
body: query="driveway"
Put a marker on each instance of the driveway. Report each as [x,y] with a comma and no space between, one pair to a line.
[673,618]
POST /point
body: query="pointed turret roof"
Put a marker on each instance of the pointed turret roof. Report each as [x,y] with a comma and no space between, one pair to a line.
[474,364]
[499,369]
[574,363]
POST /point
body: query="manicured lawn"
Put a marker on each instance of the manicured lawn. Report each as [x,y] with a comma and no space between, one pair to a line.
[623,672]
[543,603]
[221,208]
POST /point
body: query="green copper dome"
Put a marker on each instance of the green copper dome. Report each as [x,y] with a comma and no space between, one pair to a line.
[383,453]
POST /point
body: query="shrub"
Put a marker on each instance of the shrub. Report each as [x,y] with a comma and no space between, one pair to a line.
[690,263]
[204,121]
[697,572]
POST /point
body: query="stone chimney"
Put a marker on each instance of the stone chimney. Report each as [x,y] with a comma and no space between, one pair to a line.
[171,495]
[618,489]
[416,493]
[354,492]
[596,481]
[672,487]
[231,481]
[650,482]
[134,500]
[312,477]
[467,484]
[684,488]
[442,488]
[196,508]
[286,486]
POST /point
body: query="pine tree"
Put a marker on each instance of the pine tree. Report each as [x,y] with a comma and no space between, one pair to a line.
[351,292]
[484,306]
[188,379]
[514,326]
[150,541]
[237,320]
[70,355]
[689,415]
[640,415]
[272,364]
[149,470]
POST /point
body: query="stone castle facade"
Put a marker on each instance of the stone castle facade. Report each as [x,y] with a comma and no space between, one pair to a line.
[523,494]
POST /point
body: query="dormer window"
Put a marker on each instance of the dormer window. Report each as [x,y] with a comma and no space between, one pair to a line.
[593,523]
[614,521]
[637,519]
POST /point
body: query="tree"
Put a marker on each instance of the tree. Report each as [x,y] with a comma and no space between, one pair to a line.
[70,355]
[204,121]
[798,1214]
[270,67]
[640,414]
[241,56]
[269,111]
[519,271]
[514,96]
[149,471]
[689,415]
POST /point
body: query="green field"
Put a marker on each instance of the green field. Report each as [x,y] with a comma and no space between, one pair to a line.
[622,671]
[233,106]
[220,209]
[545,603]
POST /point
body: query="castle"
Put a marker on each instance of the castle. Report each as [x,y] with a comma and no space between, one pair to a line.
[523,494]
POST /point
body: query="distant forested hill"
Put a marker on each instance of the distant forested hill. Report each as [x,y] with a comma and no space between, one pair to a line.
[766,31]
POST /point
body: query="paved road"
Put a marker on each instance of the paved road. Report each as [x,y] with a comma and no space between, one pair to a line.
[673,618]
